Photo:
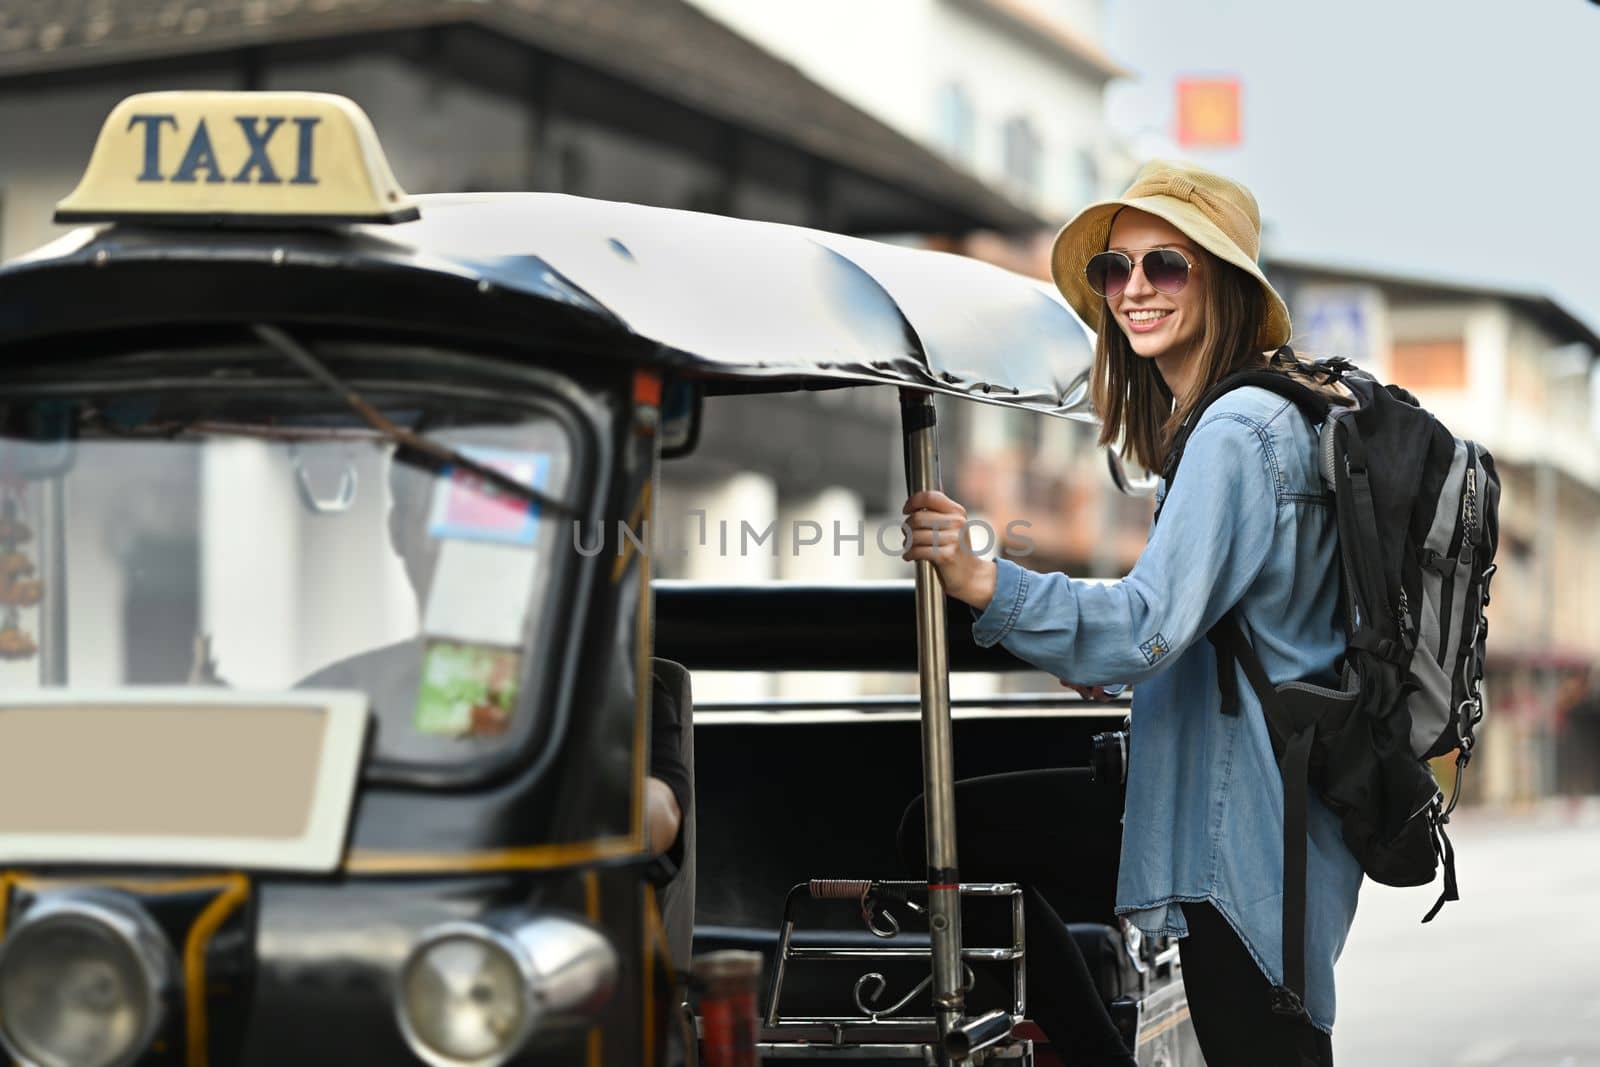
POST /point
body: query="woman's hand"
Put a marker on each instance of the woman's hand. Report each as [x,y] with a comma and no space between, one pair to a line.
[1094,692]
[938,535]
[662,816]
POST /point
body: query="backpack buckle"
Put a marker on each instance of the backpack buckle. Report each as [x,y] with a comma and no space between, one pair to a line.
[1393,650]
[1286,1001]
[1333,370]
[1469,713]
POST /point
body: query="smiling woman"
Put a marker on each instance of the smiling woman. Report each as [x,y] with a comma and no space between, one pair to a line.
[1175,331]
[1145,277]
[1193,307]
[1168,275]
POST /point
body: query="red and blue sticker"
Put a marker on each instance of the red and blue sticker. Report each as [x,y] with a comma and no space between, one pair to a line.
[466,508]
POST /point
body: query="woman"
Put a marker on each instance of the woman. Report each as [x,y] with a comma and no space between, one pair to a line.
[1168,275]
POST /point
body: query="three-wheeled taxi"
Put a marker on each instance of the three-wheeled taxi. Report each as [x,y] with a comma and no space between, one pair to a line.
[323,728]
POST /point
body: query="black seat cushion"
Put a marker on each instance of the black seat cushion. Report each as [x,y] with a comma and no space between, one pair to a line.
[1103,950]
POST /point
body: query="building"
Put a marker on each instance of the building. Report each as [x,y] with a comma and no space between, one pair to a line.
[618,99]
[1010,90]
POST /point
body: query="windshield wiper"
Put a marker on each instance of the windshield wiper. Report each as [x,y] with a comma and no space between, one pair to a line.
[403,439]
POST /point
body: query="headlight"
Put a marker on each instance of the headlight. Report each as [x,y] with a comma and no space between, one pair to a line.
[472,994]
[82,983]
[463,998]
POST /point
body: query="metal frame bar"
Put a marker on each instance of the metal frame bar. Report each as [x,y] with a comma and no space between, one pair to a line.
[919,430]
[874,702]
[1015,955]
[52,563]
[1021,1052]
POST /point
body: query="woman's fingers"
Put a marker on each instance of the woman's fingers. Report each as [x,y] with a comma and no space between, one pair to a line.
[935,529]
[937,542]
[936,521]
[946,534]
[932,500]
[938,533]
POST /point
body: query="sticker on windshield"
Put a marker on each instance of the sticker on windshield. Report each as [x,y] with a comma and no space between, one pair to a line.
[467,508]
[466,690]
[480,593]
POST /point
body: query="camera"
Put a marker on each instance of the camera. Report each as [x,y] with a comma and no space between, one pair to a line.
[1108,757]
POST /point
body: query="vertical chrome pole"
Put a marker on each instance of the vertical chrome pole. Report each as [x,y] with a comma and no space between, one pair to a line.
[917,425]
[1019,968]
[53,569]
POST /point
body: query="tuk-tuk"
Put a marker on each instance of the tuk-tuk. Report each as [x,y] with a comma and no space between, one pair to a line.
[323,733]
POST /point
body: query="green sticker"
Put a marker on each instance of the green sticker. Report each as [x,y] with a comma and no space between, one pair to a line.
[466,690]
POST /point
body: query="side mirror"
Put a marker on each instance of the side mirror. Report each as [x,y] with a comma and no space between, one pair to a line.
[1144,485]
[682,404]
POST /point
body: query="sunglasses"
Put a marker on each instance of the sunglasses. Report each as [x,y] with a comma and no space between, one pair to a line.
[1166,269]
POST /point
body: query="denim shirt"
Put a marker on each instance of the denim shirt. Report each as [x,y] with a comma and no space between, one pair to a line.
[1246,524]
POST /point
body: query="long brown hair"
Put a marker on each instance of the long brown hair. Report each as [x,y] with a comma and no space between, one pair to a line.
[1133,400]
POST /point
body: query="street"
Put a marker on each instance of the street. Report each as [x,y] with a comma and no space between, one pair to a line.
[1508,976]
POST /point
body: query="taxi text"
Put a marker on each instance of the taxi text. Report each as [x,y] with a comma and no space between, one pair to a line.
[199,157]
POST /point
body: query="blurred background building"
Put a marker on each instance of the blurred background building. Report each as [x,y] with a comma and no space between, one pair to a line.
[617,99]
[974,126]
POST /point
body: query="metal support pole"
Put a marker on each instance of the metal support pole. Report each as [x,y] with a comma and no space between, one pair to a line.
[53,568]
[917,424]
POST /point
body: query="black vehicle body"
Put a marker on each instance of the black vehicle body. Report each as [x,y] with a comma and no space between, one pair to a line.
[299,966]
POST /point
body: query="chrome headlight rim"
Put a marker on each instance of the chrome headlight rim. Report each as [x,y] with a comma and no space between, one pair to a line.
[496,938]
[129,925]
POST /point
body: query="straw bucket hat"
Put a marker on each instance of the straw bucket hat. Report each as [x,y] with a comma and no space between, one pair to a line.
[1215,213]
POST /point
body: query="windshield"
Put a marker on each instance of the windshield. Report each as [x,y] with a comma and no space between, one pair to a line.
[269,539]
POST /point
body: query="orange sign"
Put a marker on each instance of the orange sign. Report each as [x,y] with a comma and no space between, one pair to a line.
[1208,112]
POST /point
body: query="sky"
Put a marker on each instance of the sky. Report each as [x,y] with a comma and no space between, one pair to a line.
[1457,140]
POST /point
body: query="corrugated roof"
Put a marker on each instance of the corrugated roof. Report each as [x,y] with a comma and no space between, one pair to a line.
[767,306]
[667,47]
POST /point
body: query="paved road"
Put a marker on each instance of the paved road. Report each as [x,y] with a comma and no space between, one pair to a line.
[1509,976]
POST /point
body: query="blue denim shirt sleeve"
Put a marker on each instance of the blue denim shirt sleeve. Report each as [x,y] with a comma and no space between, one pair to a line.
[1216,525]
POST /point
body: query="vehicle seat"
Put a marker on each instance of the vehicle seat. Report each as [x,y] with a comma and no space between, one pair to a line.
[677,898]
[1113,971]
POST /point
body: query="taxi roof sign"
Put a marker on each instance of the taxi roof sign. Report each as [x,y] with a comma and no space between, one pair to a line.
[243,158]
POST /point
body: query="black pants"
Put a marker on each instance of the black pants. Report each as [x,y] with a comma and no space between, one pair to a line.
[1060,835]
[1229,1002]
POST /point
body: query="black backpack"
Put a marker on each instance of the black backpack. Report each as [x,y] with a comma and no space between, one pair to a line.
[1416,510]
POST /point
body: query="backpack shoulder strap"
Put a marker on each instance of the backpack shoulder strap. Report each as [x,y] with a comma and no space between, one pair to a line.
[1292,732]
[1311,403]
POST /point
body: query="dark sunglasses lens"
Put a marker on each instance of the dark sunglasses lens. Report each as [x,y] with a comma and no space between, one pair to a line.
[1108,273]
[1167,270]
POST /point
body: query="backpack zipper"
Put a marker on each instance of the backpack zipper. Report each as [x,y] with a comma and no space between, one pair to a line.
[1328,461]
[1469,540]
[1460,548]
[1469,500]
